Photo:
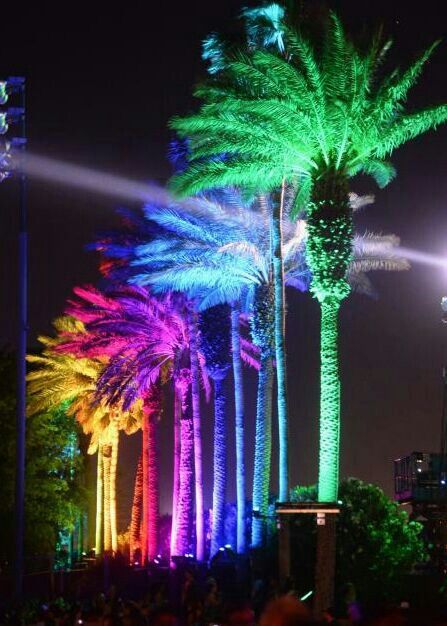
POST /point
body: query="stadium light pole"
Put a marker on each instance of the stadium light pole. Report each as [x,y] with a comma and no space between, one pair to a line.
[15,86]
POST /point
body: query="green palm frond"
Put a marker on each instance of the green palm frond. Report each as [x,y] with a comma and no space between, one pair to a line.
[313,109]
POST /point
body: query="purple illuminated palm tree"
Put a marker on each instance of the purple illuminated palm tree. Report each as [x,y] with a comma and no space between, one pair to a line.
[147,341]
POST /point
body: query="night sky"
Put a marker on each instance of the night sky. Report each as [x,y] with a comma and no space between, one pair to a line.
[102,85]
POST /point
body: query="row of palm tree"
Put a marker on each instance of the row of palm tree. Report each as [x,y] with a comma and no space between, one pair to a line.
[285,123]
[288,110]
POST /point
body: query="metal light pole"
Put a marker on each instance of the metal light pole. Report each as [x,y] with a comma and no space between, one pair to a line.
[16,85]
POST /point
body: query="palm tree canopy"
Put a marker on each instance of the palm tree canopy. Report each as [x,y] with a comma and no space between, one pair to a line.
[61,377]
[267,117]
[221,250]
[218,251]
[144,338]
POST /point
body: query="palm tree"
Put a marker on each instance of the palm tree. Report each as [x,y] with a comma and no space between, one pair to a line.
[221,251]
[147,341]
[118,251]
[64,378]
[215,335]
[315,116]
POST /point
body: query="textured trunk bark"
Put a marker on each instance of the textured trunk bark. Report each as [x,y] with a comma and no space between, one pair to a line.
[107,453]
[329,252]
[198,466]
[220,467]
[239,429]
[113,466]
[154,488]
[99,501]
[263,448]
[136,516]
[328,468]
[176,476]
[151,489]
[186,470]
[280,347]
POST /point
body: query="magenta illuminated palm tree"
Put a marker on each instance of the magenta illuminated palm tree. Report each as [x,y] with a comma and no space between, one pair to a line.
[117,252]
[147,342]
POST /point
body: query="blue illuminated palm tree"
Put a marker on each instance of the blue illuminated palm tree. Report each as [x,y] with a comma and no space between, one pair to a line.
[220,251]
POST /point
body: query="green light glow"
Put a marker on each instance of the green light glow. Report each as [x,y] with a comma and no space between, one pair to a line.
[329,403]
[329,252]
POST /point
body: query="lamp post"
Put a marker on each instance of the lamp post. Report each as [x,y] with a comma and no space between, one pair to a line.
[15,86]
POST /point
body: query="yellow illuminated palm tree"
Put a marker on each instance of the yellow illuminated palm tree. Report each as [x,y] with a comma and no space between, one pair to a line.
[60,378]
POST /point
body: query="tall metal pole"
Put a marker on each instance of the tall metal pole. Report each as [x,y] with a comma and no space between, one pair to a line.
[21,376]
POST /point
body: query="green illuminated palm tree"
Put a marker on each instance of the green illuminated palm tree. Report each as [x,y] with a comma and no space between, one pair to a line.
[314,116]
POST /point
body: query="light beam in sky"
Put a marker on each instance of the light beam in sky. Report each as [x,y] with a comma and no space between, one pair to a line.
[61,172]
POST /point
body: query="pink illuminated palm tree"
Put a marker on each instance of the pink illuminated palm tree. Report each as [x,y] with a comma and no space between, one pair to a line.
[147,341]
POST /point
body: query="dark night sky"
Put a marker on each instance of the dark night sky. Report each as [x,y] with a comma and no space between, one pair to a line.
[102,85]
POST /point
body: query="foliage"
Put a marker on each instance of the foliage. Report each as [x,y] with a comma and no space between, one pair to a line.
[54,469]
[145,339]
[377,544]
[64,377]
[294,115]
[219,250]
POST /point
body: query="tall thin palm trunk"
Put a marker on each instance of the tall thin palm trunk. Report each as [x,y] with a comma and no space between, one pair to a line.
[198,466]
[239,428]
[137,512]
[145,466]
[176,476]
[263,449]
[186,470]
[329,252]
[219,466]
[113,467]
[151,488]
[154,478]
[329,403]
[280,347]
[99,501]
[106,454]
[136,515]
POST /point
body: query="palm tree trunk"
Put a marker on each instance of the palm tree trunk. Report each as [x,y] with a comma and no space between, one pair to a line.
[107,452]
[151,488]
[99,501]
[176,477]
[219,466]
[136,516]
[195,396]
[263,448]
[239,428]
[145,509]
[329,252]
[154,481]
[280,348]
[330,403]
[113,466]
[186,469]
